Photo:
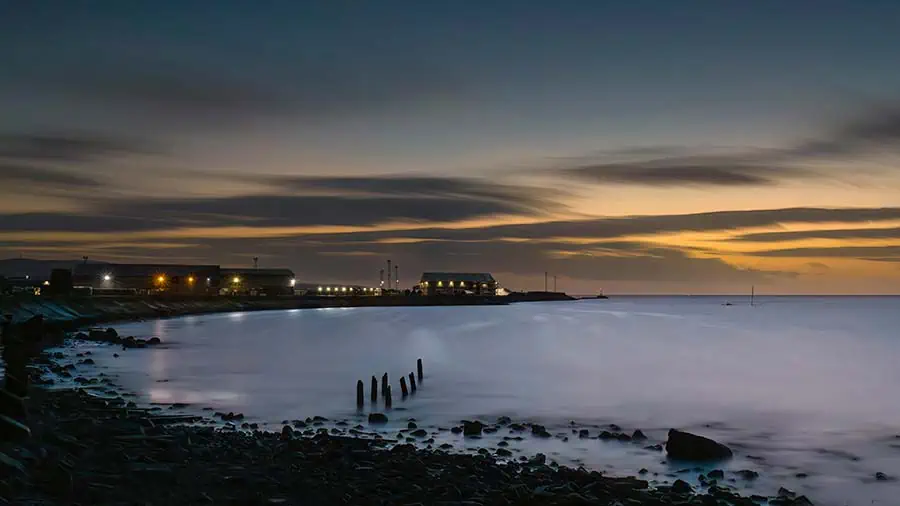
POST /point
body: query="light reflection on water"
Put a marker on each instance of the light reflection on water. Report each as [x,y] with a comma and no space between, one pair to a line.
[808,384]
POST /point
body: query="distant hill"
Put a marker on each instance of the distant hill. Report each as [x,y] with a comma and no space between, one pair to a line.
[14,267]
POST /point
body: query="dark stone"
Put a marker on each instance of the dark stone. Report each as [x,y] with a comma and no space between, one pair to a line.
[606,435]
[783,492]
[88,361]
[682,487]
[154,341]
[538,460]
[516,427]
[687,446]
[472,428]
[503,452]
[539,431]
[412,425]
[419,433]
[655,448]
[882,477]
[115,355]
[504,420]
[615,428]
[456,430]
[643,471]
[503,444]
[748,474]
[377,418]
[287,433]
[623,437]
[584,433]
[638,436]
[717,474]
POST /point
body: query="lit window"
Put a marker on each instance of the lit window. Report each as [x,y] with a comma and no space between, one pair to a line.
[426,283]
[440,283]
[451,284]
[329,289]
[107,277]
[160,279]
[191,279]
[320,288]
[236,280]
[293,282]
[343,288]
[462,284]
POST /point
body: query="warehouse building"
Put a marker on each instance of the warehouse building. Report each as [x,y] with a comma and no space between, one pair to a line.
[457,283]
[144,279]
[257,282]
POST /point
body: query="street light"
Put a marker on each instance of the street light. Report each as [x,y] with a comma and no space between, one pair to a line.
[107,278]
[293,283]
[236,280]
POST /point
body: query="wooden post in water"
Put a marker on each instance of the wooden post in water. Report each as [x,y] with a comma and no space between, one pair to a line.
[387,398]
[384,385]
[403,390]
[374,389]
[412,382]
[360,394]
[419,367]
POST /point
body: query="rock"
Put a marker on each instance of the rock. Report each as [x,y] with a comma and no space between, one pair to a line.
[287,433]
[801,475]
[11,430]
[412,425]
[638,435]
[503,452]
[623,437]
[504,420]
[456,430]
[783,492]
[655,448]
[115,355]
[717,474]
[682,487]
[538,460]
[377,418]
[748,474]
[879,476]
[539,431]
[472,428]
[516,427]
[88,361]
[154,341]
[643,471]
[111,333]
[606,435]
[584,433]
[419,433]
[687,446]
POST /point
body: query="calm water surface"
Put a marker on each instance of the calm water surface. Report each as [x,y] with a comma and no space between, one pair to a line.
[793,384]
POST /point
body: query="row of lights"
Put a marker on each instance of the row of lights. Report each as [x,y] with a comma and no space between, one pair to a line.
[462,284]
[161,279]
[344,289]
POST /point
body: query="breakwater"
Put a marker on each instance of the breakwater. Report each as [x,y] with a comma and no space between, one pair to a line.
[74,312]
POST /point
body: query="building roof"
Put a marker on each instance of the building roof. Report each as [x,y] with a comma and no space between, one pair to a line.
[471,277]
[140,270]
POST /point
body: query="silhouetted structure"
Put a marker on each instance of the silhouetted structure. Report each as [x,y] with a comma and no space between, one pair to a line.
[258,281]
[148,278]
[457,283]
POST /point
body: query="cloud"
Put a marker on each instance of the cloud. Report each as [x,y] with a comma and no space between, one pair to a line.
[846,233]
[66,147]
[874,132]
[875,253]
[23,178]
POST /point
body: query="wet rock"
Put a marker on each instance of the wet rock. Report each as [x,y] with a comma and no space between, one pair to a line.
[154,341]
[638,435]
[687,446]
[879,476]
[504,420]
[655,448]
[540,431]
[300,424]
[503,452]
[419,433]
[287,433]
[682,487]
[456,430]
[717,474]
[412,425]
[503,444]
[623,437]
[538,460]
[643,471]
[472,428]
[490,430]
[584,433]
[516,427]
[606,435]
[377,418]
[115,355]
[783,492]
[748,474]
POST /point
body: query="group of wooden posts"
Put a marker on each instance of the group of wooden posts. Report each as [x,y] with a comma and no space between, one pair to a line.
[386,387]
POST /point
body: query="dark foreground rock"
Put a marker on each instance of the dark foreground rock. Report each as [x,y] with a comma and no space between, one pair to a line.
[86,451]
[687,446]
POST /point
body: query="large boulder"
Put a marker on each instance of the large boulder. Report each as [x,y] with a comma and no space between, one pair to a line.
[687,446]
[378,418]
[472,428]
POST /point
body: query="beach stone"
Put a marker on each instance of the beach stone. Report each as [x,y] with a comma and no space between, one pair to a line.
[287,433]
[472,428]
[717,474]
[154,341]
[643,471]
[377,418]
[655,448]
[682,487]
[687,446]
[538,460]
[456,430]
[419,433]
[12,430]
[412,425]
[748,474]
[584,433]
[783,492]
[879,476]
[503,452]
[638,435]
[539,431]
[504,420]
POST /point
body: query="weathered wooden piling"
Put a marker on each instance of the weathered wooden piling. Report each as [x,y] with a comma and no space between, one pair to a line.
[419,369]
[360,394]
[384,385]
[387,397]
[403,389]
[412,382]
[374,389]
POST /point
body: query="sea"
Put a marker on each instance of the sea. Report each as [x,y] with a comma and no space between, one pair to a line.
[805,390]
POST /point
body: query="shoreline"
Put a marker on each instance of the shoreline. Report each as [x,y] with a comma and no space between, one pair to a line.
[72,313]
[93,449]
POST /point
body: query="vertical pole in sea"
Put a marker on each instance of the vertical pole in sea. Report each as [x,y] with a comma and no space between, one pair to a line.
[419,369]
[374,389]
[360,394]
[412,382]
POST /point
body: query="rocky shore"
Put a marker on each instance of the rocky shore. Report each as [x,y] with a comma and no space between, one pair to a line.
[88,450]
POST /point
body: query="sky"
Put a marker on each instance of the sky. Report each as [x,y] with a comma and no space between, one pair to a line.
[630,147]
